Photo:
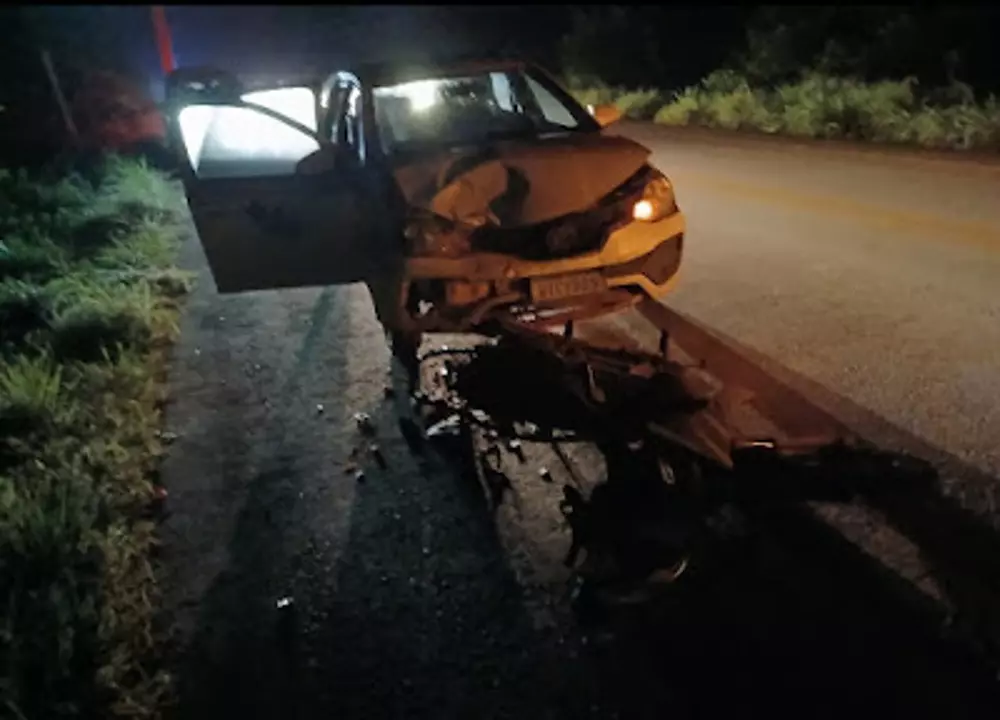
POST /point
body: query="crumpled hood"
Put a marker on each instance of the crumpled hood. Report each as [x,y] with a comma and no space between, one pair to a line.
[517,183]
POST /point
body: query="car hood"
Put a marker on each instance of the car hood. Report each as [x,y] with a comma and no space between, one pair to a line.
[514,183]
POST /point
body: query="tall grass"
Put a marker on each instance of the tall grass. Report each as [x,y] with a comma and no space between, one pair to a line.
[85,320]
[818,105]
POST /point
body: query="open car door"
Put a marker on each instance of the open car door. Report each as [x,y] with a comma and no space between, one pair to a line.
[267,219]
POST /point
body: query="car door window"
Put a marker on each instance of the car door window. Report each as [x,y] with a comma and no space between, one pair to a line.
[231,141]
[554,111]
[264,220]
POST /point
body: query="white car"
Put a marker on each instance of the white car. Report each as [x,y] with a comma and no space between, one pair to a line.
[462,193]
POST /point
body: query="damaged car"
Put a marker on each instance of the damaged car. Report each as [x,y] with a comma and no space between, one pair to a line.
[463,193]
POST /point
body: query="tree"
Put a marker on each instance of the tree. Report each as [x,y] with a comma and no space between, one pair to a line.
[937,45]
[649,45]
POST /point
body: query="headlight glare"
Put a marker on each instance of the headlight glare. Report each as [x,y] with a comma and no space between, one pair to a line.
[657,201]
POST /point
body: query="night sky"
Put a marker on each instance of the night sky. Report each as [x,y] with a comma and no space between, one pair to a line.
[283,39]
[289,40]
[272,39]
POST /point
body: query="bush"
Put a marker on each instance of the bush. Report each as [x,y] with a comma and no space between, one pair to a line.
[596,95]
[823,106]
[87,308]
[640,104]
[23,310]
[30,255]
[684,109]
[30,393]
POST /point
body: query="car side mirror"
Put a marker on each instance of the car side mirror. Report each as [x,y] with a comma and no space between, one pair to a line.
[605,114]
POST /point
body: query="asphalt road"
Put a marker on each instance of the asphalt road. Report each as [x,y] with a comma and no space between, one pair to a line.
[293,589]
[874,273]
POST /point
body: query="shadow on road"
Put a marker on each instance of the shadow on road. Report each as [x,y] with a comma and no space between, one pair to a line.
[397,596]
[951,527]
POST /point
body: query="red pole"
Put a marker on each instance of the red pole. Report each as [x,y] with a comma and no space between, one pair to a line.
[163,43]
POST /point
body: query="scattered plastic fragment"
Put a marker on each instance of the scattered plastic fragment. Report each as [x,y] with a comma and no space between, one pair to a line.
[545,475]
[377,456]
[364,423]
[319,408]
[359,476]
[449,426]
[514,445]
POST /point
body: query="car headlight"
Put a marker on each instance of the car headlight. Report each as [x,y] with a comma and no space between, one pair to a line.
[657,201]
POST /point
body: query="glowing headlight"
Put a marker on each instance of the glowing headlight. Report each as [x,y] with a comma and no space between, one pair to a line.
[657,201]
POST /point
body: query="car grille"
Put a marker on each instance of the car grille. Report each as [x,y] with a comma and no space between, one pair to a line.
[568,235]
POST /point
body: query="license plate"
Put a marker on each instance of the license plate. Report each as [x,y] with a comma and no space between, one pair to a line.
[547,289]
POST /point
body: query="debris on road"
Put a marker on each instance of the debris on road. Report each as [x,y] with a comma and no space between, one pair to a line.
[364,423]
[319,409]
[359,476]
[377,456]
[450,426]
[545,474]
[514,445]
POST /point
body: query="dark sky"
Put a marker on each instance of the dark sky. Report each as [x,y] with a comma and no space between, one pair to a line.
[272,38]
[278,40]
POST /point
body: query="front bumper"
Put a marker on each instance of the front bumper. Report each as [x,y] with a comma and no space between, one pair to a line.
[638,260]
[624,245]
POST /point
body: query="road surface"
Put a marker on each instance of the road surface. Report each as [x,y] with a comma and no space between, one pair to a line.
[295,590]
[875,274]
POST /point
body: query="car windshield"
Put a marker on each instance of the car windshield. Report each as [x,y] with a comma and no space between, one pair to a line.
[470,110]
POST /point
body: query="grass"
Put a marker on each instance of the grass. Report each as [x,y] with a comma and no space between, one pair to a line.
[88,308]
[821,106]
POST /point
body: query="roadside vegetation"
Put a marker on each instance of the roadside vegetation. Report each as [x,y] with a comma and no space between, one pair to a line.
[811,73]
[819,106]
[89,303]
